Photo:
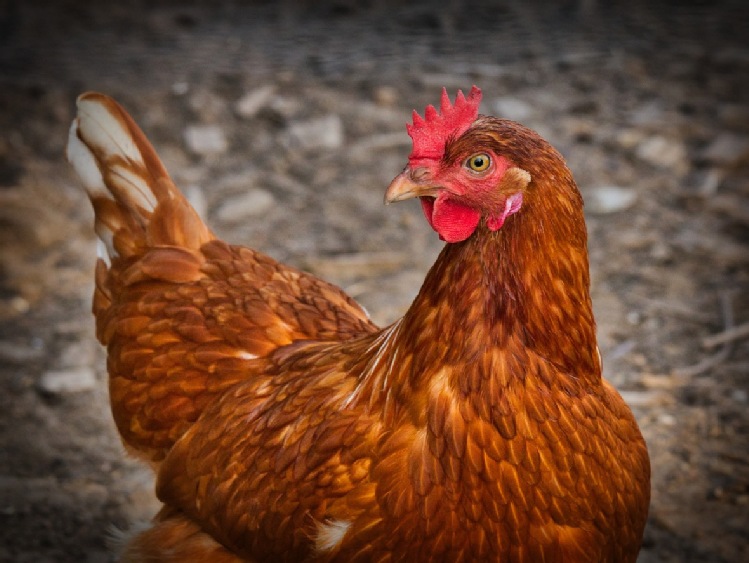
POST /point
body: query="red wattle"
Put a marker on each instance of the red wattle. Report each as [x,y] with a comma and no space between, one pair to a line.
[452,221]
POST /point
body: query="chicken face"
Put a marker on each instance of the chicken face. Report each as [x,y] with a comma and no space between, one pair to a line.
[455,195]
[458,172]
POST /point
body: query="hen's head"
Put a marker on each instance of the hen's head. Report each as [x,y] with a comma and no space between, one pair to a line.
[467,168]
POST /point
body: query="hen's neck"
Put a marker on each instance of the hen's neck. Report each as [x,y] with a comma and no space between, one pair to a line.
[524,288]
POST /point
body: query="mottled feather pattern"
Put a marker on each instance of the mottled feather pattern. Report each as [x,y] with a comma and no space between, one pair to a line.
[192,330]
[182,314]
[285,426]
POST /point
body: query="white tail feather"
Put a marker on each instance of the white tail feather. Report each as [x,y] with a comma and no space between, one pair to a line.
[84,163]
[117,151]
[126,179]
[104,131]
[105,250]
[135,201]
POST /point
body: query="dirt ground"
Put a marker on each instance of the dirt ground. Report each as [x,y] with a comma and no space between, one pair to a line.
[285,122]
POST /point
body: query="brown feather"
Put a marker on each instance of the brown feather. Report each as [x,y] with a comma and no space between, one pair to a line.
[285,426]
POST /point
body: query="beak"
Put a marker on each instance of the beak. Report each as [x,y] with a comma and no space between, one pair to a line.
[412,182]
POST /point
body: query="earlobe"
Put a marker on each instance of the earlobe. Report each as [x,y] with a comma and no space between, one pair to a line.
[512,205]
[514,182]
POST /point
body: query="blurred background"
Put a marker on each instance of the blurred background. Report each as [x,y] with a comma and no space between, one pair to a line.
[285,121]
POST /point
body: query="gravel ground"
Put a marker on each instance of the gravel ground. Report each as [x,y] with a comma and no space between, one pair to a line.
[285,122]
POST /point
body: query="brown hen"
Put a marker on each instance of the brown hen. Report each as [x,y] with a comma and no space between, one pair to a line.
[285,426]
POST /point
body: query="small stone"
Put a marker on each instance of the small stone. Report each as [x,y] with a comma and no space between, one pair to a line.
[180,88]
[579,128]
[663,152]
[386,96]
[628,139]
[20,305]
[740,395]
[285,107]
[705,182]
[635,239]
[610,199]
[512,108]
[78,353]
[634,318]
[206,140]
[252,102]
[348,266]
[660,251]
[734,116]
[253,203]
[20,353]
[641,398]
[209,107]
[67,381]
[667,419]
[322,132]
[647,114]
[727,149]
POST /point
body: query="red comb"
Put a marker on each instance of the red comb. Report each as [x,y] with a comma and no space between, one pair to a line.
[431,132]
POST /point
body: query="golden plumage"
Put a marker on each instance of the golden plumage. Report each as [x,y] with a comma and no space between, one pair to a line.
[285,426]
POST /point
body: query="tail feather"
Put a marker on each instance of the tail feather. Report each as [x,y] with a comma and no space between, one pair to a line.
[135,201]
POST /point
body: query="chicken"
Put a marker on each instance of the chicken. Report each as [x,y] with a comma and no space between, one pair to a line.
[283,425]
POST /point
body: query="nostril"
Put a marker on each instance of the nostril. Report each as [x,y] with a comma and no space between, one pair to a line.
[419,174]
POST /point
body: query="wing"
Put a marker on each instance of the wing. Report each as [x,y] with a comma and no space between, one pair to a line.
[175,345]
[278,469]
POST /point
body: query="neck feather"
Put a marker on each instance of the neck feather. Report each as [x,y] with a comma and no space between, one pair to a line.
[523,289]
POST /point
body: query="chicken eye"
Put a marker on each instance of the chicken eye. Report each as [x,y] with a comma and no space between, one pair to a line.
[479,162]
